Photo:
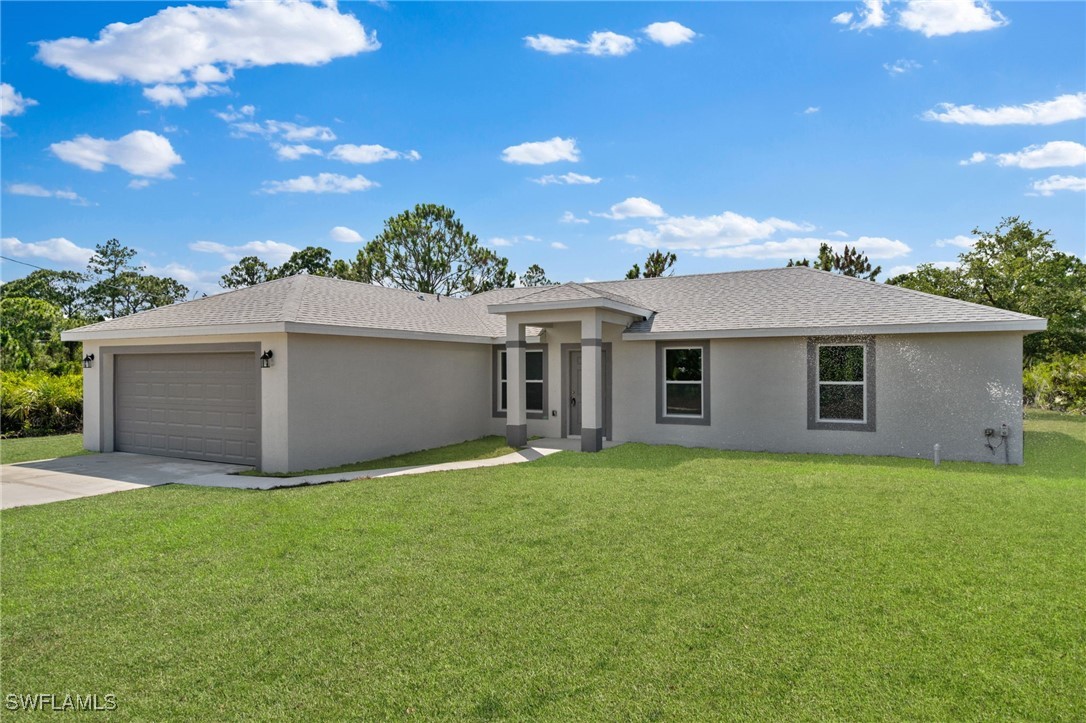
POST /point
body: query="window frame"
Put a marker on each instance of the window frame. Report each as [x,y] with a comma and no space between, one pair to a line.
[815,384]
[662,415]
[497,410]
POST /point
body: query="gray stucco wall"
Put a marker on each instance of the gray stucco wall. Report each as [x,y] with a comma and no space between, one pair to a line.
[931,388]
[354,398]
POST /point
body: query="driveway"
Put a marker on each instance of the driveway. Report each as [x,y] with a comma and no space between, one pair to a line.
[52,480]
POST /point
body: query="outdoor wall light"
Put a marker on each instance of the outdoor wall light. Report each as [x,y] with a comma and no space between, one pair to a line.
[266,359]
[88,361]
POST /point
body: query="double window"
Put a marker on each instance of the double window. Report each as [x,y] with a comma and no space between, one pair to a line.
[841,392]
[534,382]
[682,376]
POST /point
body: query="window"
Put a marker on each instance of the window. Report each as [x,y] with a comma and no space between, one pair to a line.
[840,391]
[682,383]
[535,385]
[841,382]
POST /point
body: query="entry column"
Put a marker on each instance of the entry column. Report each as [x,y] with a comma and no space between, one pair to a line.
[516,419]
[591,383]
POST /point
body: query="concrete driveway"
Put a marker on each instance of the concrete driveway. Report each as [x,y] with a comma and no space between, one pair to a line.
[52,480]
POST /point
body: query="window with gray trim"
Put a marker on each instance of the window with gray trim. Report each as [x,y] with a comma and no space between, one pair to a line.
[682,382]
[535,382]
[840,383]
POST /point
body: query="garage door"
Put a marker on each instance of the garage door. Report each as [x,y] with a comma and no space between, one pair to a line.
[197,406]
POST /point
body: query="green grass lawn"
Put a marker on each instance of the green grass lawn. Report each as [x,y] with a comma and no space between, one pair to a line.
[482,448]
[27,449]
[638,583]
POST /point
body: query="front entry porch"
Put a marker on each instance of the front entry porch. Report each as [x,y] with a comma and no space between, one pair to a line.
[586,365]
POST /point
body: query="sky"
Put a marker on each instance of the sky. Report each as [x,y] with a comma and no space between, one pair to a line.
[577,136]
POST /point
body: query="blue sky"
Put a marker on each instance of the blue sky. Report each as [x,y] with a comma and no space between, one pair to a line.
[578,136]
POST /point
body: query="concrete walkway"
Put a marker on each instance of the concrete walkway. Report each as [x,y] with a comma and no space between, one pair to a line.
[68,478]
[536,449]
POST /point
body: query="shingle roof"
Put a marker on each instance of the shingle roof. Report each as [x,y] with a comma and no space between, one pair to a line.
[789,298]
[785,298]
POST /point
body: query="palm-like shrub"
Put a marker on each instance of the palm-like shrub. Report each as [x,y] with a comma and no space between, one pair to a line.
[36,403]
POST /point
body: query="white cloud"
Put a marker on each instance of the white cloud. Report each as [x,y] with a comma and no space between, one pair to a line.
[571,179]
[600,43]
[345,235]
[1062,108]
[552,45]
[295,151]
[811,110]
[499,241]
[1053,154]
[634,207]
[670,33]
[961,241]
[59,250]
[230,115]
[274,252]
[284,130]
[369,154]
[12,102]
[141,153]
[874,247]
[137,184]
[901,66]
[947,17]
[839,234]
[206,282]
[1059,183]
[559,245]
[321,183]
[203,45]
[33,189]
[569,217]
[539,152]
[166,95]
[871,15]
[708,235]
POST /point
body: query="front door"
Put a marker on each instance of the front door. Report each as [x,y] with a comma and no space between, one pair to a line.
[574,400]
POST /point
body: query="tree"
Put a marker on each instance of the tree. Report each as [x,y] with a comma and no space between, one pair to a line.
[313,260]
[109,262]
[850,262]
[427,249]
[30,333]
[1017,267]
[249,271]
[60,288]
[657,264]
[535,276]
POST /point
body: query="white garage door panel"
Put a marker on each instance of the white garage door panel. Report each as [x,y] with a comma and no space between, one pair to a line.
[199,406]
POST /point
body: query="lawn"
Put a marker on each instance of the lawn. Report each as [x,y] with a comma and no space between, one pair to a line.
[482,448]
[637,583]
[27,449]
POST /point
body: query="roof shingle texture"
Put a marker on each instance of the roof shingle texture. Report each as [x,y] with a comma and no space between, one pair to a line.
[771,299]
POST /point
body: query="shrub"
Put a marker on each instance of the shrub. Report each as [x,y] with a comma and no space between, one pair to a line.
[37,403]
[1059,384]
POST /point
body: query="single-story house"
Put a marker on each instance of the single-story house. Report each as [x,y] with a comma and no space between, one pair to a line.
[308,372]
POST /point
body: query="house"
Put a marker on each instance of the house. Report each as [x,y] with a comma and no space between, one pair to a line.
[308,372]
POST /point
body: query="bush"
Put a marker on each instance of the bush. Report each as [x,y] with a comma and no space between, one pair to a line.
[1059,384]
[37,403]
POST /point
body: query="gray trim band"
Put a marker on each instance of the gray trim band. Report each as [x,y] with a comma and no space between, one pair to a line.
[592,342]
[515,343]
[516,435]
[591,439]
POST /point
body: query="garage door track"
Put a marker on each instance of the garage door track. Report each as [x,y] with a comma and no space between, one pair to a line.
[66,478]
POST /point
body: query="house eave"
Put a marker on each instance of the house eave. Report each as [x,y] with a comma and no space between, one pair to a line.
[1027,326]
[609,304]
